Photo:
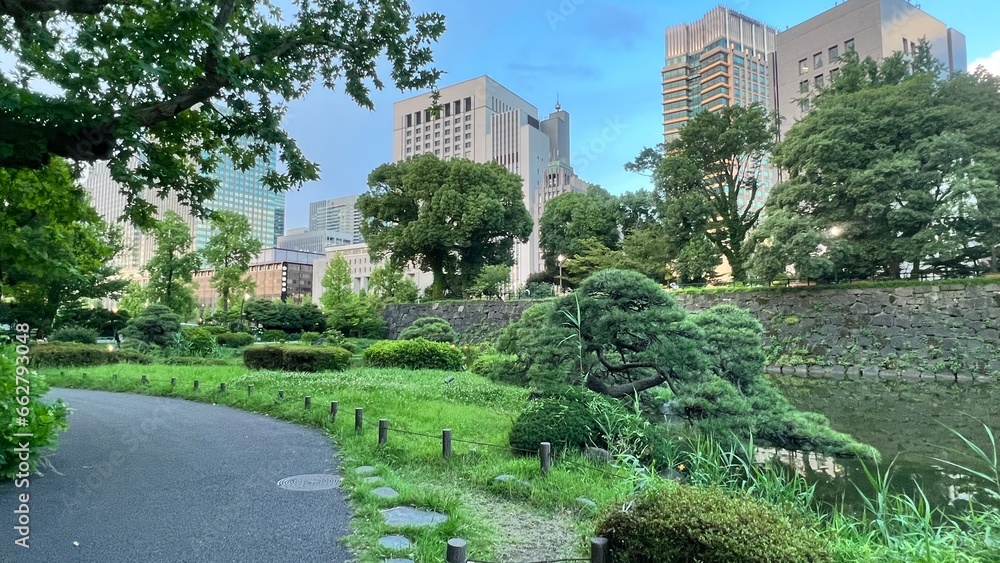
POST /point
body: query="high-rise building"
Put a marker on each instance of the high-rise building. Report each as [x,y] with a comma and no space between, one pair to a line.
[483,121]
[721,60]
[305,240]
[240,191]
[807,55]
[277,273]
[340,215]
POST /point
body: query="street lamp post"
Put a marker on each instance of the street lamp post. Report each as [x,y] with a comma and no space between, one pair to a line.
[243,323]
[561,259]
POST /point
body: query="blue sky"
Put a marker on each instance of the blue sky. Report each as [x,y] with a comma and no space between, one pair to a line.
[602,57]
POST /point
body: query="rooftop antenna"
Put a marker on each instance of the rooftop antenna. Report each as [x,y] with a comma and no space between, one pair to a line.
[558,106]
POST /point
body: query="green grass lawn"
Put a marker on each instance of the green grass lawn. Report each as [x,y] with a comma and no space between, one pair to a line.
[474,408]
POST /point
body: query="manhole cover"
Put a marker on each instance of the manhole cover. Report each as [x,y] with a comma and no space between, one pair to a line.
[313,482]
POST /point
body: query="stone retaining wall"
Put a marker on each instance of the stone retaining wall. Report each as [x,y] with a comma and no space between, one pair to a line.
[936,332]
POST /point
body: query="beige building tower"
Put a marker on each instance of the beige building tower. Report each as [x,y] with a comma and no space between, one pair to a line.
[485,122]
[723,59]
[806,57]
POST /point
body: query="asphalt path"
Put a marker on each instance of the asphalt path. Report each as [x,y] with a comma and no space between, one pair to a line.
[150,479]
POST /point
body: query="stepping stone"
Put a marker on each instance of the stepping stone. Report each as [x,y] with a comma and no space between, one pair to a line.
[410,516]
[385,492]
[365,470]
[586,503]
[394,542]
[371,480]
[510,479]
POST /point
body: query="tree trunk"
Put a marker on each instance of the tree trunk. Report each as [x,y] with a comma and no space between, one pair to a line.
[225,300]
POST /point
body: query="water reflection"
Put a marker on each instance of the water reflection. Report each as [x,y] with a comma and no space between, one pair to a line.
[909,424]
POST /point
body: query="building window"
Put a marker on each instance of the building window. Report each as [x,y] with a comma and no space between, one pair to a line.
[418,117]
[427,137]
[427,146]
[409,141]
[468,104]
[468,145]
[409,133]
[803,66]
[819,81]
[447,110]
[447,149]
[818,60]
[457,107]
[468,126]
[906,46]
[427,115]
[437,134]
[804,87]
[468,135]
[849,45]
[437,151]
[447,140]
[834,74]
[804,105]
[834,53]
[437,125]
[409,120]
[447,122]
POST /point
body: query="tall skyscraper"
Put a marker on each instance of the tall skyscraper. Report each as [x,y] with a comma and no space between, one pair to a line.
[807,54]
[339,215]
[239,191]
[483,121]
[721,60]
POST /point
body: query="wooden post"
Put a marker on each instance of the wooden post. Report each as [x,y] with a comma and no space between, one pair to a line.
[281,393]
[446,443]
[456,551]
[359,414]
[309,402]
[222,387]
[545,456]
[383,431]
[195,384]
[249,389]
[600,550]
[173,382]
[145,380]
[114,376]
[333,411]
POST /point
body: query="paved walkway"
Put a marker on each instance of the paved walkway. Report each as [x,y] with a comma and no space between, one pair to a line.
[149,479]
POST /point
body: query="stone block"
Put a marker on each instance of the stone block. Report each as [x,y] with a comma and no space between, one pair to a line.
[882,319]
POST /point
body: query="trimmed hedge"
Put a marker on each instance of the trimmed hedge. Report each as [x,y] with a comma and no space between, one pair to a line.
[215,330]
[273,335]
[235,340]
[74,354]
[78,334]
[413,354]
[434,329]
[682,524]
[297,358]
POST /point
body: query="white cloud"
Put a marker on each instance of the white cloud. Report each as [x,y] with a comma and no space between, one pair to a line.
[992,63]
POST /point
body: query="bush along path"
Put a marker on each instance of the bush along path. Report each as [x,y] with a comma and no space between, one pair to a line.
[406,472]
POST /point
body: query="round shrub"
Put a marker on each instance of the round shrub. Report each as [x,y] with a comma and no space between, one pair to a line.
[430,328]
[264,357]
[215,330]
[156,324]
[413,354]
[74,334]
[684,523]
[273,335]
[234,340]
[200,340]
[563,423]
[293,337]
[309,337]
[502,368]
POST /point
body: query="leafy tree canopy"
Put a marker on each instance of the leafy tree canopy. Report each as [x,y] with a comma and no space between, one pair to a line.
[173,265]
[894,164]
[450,217]
[570,219]
[164,90]
[230,251]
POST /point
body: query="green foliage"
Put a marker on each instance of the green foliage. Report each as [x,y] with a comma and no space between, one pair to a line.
[293,358]
[571,219]
[74,334]
[491,281]
[134,299]
[389,284]
[155,325]
[167,114]
[172,266]
[234,340]
[287,317]
[55,247]
[909,176]
[194,361]
[273,335]
[348,312]
[450,217]
[562,422]
[103,321]
[413,354]
[434,329]
[215,330]
[680,524]
[200,341]
[310,337]
[707,185]
[75,354]
[229,251]
[501,368]
[44,419]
